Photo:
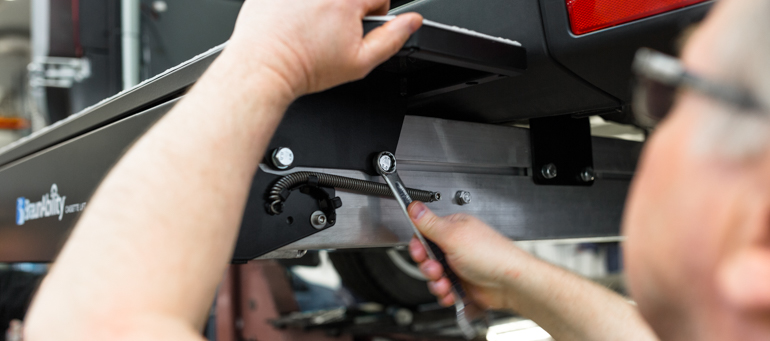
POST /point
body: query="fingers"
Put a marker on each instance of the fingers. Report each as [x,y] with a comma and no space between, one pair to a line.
[438,285]
[442,289]
[447,301]
[417,251]
[384,41]
[428,223]
[432,270]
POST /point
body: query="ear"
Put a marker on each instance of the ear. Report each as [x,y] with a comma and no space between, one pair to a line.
[744,272]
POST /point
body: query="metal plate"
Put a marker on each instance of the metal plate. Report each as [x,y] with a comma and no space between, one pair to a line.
[490,162]
[514,205]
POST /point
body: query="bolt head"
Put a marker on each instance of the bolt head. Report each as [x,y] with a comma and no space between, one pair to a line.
[385,163]
[463,197]
[318,220]
[588,175]
[282,157]
[549,171]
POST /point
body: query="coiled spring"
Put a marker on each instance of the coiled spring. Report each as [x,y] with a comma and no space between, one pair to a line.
[293,180]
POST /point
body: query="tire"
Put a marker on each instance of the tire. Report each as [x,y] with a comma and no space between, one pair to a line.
[378,275]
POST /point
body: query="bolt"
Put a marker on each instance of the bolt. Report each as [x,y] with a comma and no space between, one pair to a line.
[435,196]
[318,220]
[588,175]
[386,162]
[282,158]
[549,171]
[463,197]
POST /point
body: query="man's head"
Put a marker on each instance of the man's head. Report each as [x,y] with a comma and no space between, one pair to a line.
[698,214]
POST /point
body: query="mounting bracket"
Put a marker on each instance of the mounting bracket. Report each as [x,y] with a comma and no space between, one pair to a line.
[561,151]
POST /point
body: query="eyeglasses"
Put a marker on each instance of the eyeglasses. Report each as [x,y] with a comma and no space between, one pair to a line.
[659,79]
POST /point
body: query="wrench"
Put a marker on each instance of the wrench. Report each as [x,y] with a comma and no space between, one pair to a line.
[385,164]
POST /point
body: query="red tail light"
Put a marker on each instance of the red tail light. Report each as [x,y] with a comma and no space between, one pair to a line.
[591,15]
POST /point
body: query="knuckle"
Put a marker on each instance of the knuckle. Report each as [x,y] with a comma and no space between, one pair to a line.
[431,222]
[459,218]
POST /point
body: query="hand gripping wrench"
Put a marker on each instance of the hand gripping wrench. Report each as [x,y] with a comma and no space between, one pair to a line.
[385,164]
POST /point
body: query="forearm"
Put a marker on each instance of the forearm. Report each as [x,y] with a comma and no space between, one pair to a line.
[167,215]
[570,307]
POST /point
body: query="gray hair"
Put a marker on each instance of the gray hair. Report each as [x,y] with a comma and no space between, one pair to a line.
[742,57]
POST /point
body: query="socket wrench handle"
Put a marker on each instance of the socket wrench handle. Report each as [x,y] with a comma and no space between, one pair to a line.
[385,163]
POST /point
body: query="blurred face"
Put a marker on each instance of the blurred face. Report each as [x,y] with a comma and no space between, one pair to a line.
[687,204]
[680,203]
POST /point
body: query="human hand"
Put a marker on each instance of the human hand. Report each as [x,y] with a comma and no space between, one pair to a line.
[483,259]
[313,45]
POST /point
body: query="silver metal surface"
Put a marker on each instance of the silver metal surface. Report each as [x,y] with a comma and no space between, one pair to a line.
[513,205]
[430,141]
[386,166]
[318,220]
[588,175]
[549,171]
[565,241]
[283,254]
[463,197]
[432,154]
[282,157]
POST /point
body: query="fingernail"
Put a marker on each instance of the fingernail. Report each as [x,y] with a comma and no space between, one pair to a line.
[418,211]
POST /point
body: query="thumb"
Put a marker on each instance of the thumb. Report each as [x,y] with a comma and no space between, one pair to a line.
[384,41]
[430,225]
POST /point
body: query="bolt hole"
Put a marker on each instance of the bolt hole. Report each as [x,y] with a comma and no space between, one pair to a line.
[289,220]
[472,83]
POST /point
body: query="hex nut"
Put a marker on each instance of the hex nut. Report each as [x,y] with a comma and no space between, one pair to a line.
[463,197]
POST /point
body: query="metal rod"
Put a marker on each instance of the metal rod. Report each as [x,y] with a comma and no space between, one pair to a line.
[130,26]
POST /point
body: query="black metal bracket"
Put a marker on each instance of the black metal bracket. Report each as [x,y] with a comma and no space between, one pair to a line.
[561,151]
[261,233]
